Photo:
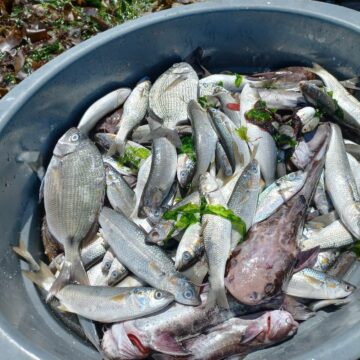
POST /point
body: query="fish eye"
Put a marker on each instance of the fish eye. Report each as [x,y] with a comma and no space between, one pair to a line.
[158,295]
[114,274]
[348,287]
[188,294]
[186,256]
[157,213]
[154,234]
[107,265]
[74,137]
[269,288]
[182,174]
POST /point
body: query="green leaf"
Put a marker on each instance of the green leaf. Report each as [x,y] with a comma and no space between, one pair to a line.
[330,93]
[258,115]
[238,80]
[355,248]
[219,210]
[187,220]
[189,208]
[220,83]
[282,139]
[202,100]
[242,133]
[319,113]
[133,157]
[187,147]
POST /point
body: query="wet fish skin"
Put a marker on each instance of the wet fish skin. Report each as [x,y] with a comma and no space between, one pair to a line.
[119,168]
[205,139]
[224,134]
[161,178]
[334,235]
[313,284]
[281,99]
[161,332]
[340,183]
[93,252]
[101,107]
[266,153]
[74,187]
[326,259]
[321,199]
[355,169]
[171,93]
[117,272]
[258,267]
[221,160]
[107,261]
[343,264]
[278,193]
[217,241]
[135,108]
[230,106]
[190,247]
[148,262]
[238,336]
[131,281]
[119,193]
[353,149]
[185,170]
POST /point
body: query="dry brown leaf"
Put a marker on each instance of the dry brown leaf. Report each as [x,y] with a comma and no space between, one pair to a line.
[19,61]
[12,39]
[36,35]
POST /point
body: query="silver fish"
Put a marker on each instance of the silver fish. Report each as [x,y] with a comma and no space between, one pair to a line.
[334,235]
[228,82]
[171,93]
[343,265]
[224,134]
[326,259]
[160,180]
[185,170]
[244,198]
[117,272]
[308,117]
[190,247]
[321,198]
[94,251]
[281,99]
[278,193]
[313,284]
[205,139]
[318,305]
[210,89]
[117,166]
[101,107]
[217,240]
[74,186]
[352,149]
[230,106]
[355,169]
[119,193]
[340,183]
[222,161]
[147,262]
[107,261]
[349,105]
[131,281]
[135,108]
[266,151]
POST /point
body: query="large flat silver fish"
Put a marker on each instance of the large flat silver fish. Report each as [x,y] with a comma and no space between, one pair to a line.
[171,93]
[74,187]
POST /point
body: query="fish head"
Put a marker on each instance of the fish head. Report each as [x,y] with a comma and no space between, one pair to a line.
[182,68]
[69,142]
[105,140]
[117,344]
[208,184]
[183,260]
[184,291]
[159,233]
[279,325]
[184,170]
[148,298]
[339,289]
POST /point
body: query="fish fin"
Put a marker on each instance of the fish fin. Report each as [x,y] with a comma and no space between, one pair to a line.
[23,252]
[62,308]
[306,259]
[72,272]
[167,344]
[119,297]
[351,83]
[42,278]
[217,297]
[251,332]
[254,151]
[318,305]
[297,309]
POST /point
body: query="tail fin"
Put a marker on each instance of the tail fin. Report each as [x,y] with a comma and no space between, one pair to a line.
[23,252]
[217,296]
[73,271]
[118,146]
[43,278]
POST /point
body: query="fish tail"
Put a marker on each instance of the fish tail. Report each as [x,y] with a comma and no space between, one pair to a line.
[217,296]
[42,278]
[72,272]
[23,252]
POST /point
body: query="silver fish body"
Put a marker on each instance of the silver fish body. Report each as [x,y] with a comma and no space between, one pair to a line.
[190,247]
[74,186]
[217,241]
[205,139]
[185,170]
[355,169]
[278,193]
[281,99]
[119,193]
[101,107]
[321,198]
[230,106]
[147,262]
[326,259]
[135,108]
[107,261]
[171,93]
[222,161]
[313,284]
[117,272]
[340,183]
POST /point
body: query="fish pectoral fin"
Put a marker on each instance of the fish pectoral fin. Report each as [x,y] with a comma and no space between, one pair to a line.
[119,297]
[167,344]
[62,308]
[306,259]
[251,333]
[177,81]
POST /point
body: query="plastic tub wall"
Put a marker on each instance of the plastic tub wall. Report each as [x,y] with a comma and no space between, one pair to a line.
[238,35]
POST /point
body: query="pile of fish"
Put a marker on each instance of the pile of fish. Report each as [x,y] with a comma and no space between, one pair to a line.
[176,209]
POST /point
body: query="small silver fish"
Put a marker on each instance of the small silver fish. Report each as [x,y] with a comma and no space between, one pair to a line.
[326,259]
[185,170]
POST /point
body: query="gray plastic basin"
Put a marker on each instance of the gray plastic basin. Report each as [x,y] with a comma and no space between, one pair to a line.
[238,35]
